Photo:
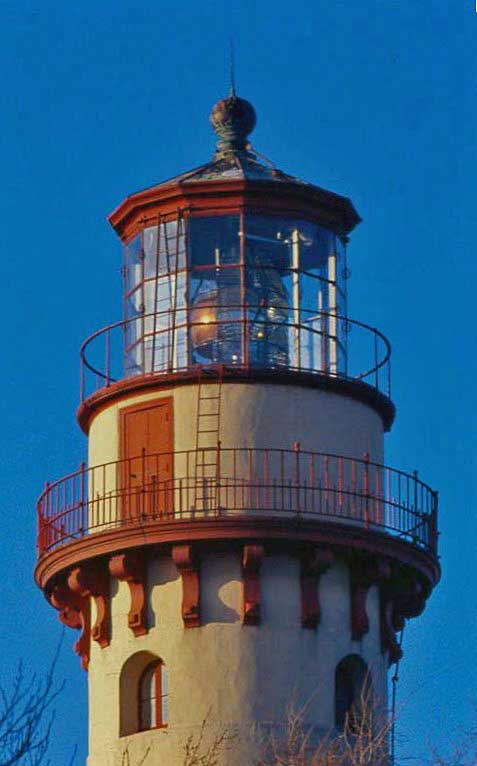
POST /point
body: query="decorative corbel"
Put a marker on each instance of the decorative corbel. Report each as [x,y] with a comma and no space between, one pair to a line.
[411,597]
[251,563]
[186,561]
[314,562]
[390,623]
[364,574]
[403,597]
[93,580]
[130,567]
[74,611]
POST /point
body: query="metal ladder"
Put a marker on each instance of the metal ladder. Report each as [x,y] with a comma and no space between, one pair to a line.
[209,400]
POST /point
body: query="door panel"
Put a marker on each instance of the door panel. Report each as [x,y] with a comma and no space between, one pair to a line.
[147,469]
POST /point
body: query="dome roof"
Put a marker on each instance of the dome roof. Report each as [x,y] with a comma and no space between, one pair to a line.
[236,165]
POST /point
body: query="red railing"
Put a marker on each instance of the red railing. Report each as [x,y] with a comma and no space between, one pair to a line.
[239,482]
[186,339]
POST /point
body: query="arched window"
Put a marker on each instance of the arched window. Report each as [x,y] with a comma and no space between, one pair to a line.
[353,692]
[143,694]
[153,697]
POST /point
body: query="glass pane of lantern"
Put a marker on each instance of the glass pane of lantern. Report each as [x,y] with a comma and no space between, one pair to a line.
[156,294]
[216,315]
[268,288]
[214,240]
[164,249]
[132,253]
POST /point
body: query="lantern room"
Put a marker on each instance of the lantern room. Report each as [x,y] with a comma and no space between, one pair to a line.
[239,265]
[238,289]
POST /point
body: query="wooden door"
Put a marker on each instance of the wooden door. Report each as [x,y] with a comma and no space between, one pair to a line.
[147,462]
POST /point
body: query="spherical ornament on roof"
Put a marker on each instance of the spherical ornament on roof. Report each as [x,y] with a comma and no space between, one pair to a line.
[233,118]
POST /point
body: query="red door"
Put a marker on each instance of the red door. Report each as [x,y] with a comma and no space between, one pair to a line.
[147,469]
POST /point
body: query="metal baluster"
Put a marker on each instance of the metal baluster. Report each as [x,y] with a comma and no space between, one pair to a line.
[296,448]
[366,489]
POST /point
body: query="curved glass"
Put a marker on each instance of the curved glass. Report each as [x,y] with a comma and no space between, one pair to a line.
[244,290]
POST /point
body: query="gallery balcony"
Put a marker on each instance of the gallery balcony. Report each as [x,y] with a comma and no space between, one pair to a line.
[292,496]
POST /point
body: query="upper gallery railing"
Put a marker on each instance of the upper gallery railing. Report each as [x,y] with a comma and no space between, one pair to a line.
[240,337]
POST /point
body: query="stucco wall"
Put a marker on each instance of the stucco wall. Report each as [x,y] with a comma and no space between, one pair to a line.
[257,415]
[237,676]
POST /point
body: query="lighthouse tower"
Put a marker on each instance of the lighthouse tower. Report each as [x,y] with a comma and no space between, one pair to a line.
[235,540]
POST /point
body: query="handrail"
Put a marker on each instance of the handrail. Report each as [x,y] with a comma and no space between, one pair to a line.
[317,330]
[260,483]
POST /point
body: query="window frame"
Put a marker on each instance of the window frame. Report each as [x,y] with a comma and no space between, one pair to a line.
[158,667]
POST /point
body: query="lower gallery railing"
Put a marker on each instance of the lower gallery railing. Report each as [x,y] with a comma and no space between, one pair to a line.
[227,482]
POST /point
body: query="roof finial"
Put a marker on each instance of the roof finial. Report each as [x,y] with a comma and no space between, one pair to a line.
[232,68]
[232,118]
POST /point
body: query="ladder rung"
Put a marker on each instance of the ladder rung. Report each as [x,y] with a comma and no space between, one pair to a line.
[208,431]
[208,398]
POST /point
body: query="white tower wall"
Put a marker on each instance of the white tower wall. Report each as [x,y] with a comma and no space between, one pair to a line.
[239,677]
[256,415]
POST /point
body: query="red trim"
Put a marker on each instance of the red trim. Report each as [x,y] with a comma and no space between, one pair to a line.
[251,563]
[388,630]
[186,561]
[92,580]
[314,563]
[167,403]
[158,665]
[74,612]
[130,567]
[290,531]
[364,574]
[224,197]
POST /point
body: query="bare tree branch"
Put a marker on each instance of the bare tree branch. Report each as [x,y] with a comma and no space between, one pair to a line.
[26,716]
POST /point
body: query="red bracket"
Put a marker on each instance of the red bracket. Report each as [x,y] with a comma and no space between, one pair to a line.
[363,575]
[186,561]
[314,563]
[74,611]
[93,580]
[390,622]
[251,563]
[131,568]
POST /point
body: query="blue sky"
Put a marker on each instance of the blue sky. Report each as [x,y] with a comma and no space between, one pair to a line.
[375,100]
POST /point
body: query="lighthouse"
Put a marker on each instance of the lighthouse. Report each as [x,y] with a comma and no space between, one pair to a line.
[235,539]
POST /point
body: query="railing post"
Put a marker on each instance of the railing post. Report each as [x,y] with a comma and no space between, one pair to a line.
[142,494]
[217,478]
[366,489]
[376,377]
[417,524]
[82,380]
[266,478]
[42,524]
[108,356]
[340,484]
[83,495]
[434,534]
[415,476]
[296,449]
[324,343]
[246,338]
